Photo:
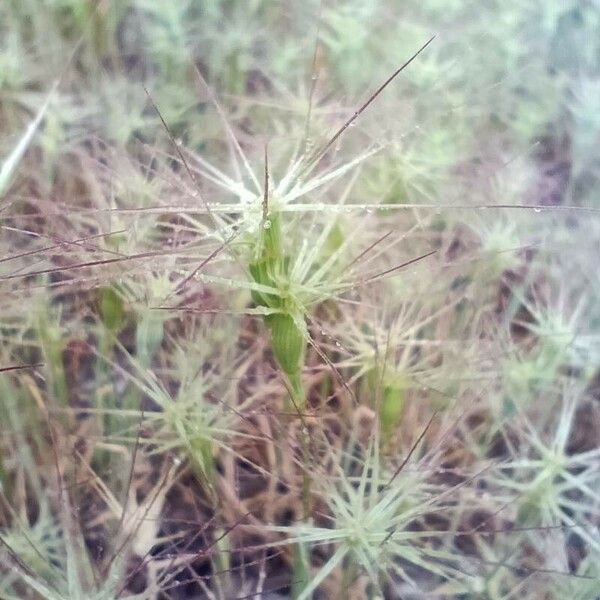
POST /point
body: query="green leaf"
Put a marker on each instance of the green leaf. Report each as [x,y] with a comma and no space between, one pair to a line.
[111,309]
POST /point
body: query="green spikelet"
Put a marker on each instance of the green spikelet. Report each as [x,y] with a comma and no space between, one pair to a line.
[287,342]
[270,268]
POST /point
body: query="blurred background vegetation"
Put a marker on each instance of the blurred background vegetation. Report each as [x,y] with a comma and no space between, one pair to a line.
[149,448]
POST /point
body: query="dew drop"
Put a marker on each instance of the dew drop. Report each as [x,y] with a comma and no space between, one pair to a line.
[537,210]
[267,224]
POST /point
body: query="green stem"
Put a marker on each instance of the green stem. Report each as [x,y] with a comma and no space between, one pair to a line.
[301,565]
[348,576]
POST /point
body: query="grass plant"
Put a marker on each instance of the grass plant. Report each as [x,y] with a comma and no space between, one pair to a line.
[299,300]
